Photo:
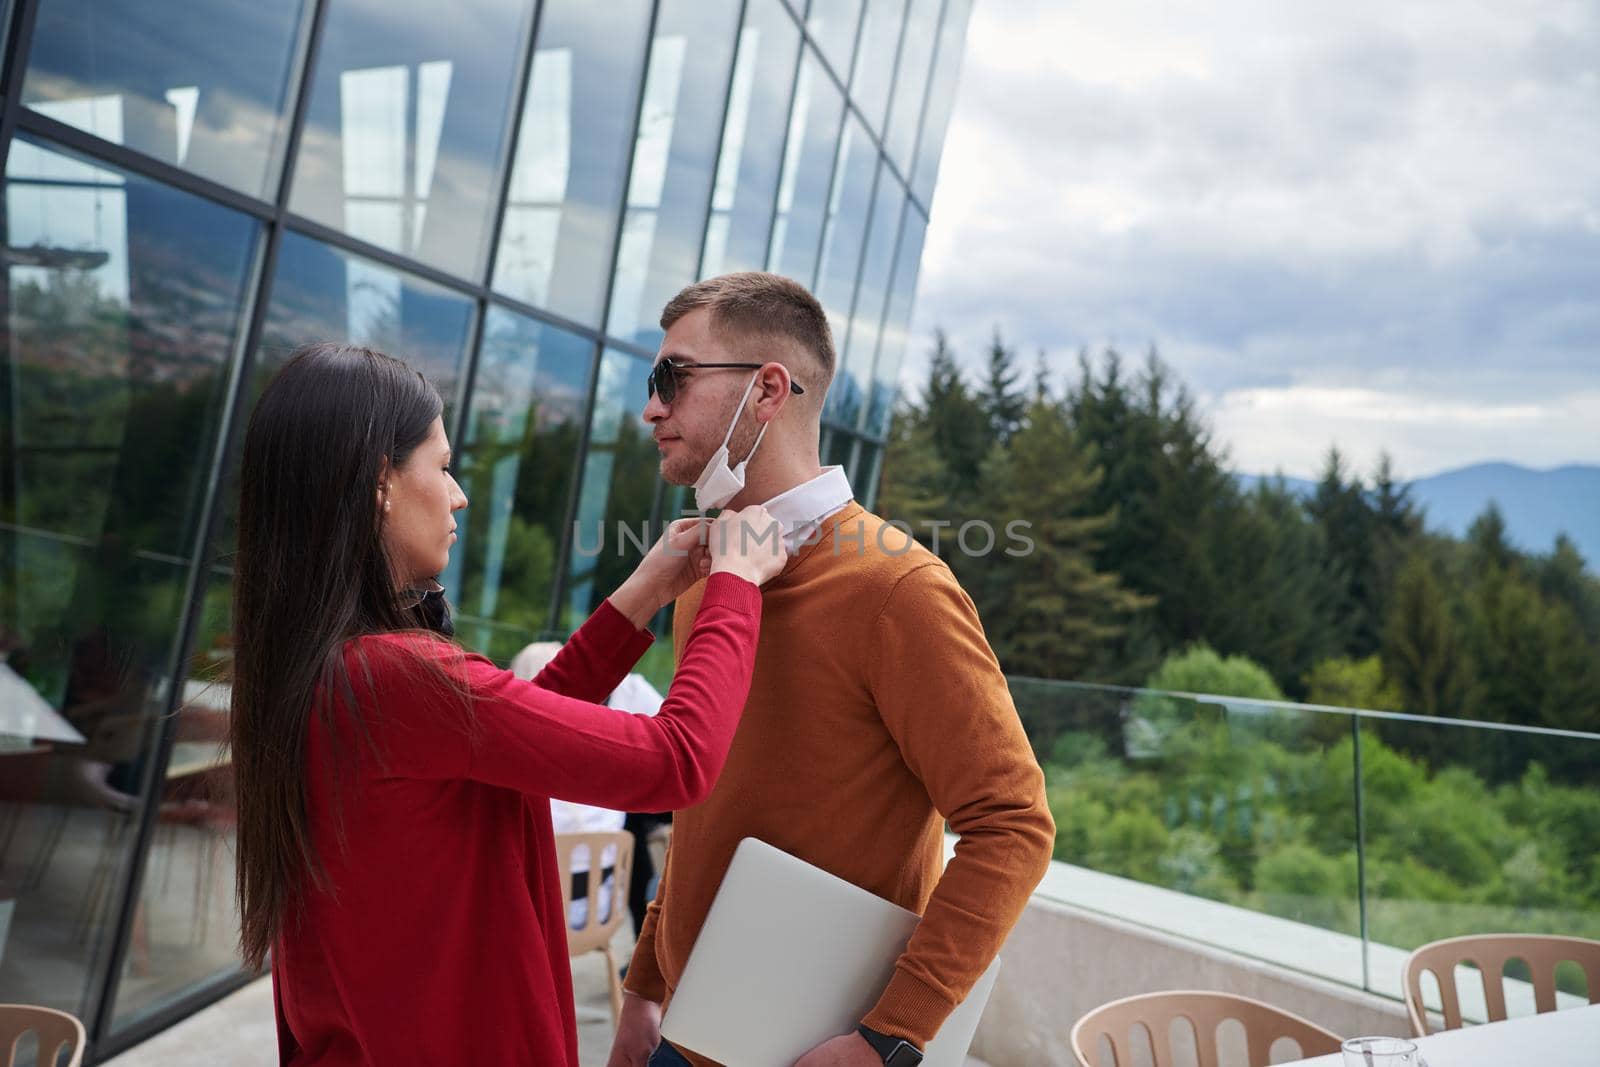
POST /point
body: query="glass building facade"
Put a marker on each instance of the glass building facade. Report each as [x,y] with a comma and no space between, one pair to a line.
[504,195]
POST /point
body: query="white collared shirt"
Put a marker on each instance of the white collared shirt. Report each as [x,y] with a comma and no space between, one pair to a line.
[800,511]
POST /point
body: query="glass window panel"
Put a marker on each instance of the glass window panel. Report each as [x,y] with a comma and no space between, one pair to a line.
[807,167]
[911,81]
[572,156]
[874,71]
[674,156]
[838,449]
[941,98]
[618,488]
[406,129]
[848,394]
[321,293]
[751,159]
[896,324]
[870,468]
[208,91]
[832,24]
[124,301]
[529,398]
[845,228]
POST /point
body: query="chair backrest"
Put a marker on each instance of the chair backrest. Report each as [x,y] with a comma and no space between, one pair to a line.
[56,1029]
[1489,953]
[597,931]
[658,842]
[1205,1011]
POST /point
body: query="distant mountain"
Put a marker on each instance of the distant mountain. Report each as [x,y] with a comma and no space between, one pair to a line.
[1537,505]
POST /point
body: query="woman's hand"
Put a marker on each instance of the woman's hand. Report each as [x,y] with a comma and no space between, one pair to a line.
[748,543]
[672,565]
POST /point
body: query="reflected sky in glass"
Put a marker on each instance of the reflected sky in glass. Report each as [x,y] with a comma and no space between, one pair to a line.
[833,25]
[911,81]
[407,125]
[207,91]
[941,98]
[567,181]
[896,323]
[751,157]
[674,157]
[875,58]
[846,224]
[807,167]
[848,396]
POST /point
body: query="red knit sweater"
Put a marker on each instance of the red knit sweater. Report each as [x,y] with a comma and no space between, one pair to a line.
[442,939]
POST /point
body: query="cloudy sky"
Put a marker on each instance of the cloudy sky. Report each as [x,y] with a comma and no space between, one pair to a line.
[1361,223]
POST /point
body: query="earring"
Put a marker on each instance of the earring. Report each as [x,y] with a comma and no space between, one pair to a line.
[386,505]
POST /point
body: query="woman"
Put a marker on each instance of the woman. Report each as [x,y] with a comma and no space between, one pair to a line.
[395,850]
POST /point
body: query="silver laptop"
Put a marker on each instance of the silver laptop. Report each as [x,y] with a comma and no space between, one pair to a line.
[790,956]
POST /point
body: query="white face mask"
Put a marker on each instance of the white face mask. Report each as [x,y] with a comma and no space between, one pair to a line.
[719,483]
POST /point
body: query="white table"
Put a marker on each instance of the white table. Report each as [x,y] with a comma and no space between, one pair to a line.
[1567,1038]
[26,714]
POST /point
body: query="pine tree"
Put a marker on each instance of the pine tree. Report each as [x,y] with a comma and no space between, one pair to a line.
[1422,645]
[1048,611]
[1003,403]
[957,425]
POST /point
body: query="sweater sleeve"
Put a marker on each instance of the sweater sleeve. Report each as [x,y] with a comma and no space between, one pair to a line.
[596,659]
[527,738]
[644,977]
[941,695]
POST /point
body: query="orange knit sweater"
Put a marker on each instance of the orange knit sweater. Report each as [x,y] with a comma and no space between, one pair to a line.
[876,714]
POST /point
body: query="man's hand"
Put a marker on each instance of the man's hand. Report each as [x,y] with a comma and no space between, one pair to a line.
[851,1050]
[638,1032]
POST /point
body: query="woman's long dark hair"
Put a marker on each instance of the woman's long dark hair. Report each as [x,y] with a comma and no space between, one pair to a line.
[310,574]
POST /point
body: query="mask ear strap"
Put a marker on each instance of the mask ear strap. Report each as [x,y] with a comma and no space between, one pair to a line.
[747,389]
[755,446]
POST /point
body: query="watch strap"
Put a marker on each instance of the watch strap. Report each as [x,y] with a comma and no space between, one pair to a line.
[894,1051]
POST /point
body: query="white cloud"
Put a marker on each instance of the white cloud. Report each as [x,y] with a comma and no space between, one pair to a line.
[1307,198]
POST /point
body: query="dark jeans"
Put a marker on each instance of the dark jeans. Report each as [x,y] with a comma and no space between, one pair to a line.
[666,1056]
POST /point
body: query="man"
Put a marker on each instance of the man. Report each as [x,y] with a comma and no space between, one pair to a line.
[877,711]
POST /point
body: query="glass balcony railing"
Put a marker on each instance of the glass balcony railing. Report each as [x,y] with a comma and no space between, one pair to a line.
[1328,840]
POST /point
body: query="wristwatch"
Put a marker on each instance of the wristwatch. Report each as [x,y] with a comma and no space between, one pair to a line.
[896,1051]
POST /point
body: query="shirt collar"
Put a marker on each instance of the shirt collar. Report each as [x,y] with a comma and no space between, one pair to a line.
[812,501]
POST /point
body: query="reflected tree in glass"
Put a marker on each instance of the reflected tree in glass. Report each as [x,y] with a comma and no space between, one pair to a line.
[518,457]
[124,309]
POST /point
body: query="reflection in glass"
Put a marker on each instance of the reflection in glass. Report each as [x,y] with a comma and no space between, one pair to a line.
[749,165]
[875,59]
[124,304]
[846,224]
[321,293]
[572,154]
[611,529]
[896,324]
[941,98]
[207,91]
[869,466]
[838,449]
[406,125]
[1467,830]
[517,459]
[848,394]
[1244,805]
[674,154]
[832,24]
[911,81]
[807,167]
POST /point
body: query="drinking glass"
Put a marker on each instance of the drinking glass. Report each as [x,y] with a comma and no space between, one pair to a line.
[1379,1052]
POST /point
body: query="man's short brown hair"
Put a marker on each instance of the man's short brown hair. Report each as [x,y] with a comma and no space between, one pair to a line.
[752,307]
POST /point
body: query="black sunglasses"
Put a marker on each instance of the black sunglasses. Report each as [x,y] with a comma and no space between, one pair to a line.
[665,374]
